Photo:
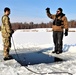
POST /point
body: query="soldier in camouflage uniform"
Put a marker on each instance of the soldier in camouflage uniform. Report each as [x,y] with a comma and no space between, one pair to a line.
[6,31]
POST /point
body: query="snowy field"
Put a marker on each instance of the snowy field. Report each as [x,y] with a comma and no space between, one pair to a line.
[40,41]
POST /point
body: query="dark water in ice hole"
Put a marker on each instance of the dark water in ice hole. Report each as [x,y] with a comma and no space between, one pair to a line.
[35,58]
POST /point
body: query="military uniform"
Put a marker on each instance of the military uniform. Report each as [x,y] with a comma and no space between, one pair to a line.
[6,31]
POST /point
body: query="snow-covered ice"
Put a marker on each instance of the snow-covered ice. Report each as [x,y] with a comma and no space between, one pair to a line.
[40,40]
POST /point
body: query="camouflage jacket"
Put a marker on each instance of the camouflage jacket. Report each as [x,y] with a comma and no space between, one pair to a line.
[6,26]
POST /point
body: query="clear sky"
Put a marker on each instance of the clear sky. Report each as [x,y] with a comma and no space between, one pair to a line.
[34,10]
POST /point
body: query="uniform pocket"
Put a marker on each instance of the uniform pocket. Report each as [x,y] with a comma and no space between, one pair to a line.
[5,35]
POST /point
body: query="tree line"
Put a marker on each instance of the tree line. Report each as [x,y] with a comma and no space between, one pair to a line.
[31,25]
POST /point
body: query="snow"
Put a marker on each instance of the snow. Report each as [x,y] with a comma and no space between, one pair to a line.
[40,41]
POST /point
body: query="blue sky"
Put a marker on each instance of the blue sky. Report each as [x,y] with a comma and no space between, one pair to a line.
[34,10]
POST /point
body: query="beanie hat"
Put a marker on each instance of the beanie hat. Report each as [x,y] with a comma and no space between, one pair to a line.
[60,9]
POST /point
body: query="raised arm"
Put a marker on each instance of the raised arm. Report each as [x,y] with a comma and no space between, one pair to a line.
[49,14]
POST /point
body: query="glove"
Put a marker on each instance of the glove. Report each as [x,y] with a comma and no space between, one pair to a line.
[66,32]
[12,31]
[48,10]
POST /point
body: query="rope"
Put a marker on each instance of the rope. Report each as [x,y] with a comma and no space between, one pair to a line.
[34,71]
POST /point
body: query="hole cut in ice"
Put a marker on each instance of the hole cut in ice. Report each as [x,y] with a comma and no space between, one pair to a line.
[32,58]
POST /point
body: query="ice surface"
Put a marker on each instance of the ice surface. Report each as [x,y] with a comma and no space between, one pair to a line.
[34,41]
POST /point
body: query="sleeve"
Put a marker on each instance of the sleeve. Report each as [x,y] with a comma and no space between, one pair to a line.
[51,16]
[7,24]
[65,23]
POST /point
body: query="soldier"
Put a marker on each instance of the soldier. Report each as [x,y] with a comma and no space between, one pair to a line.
[6,31]
[59,24]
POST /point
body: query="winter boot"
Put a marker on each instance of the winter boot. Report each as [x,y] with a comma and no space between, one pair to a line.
[8,58]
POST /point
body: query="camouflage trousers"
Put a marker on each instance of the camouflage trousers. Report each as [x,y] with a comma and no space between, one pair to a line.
[7,46]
